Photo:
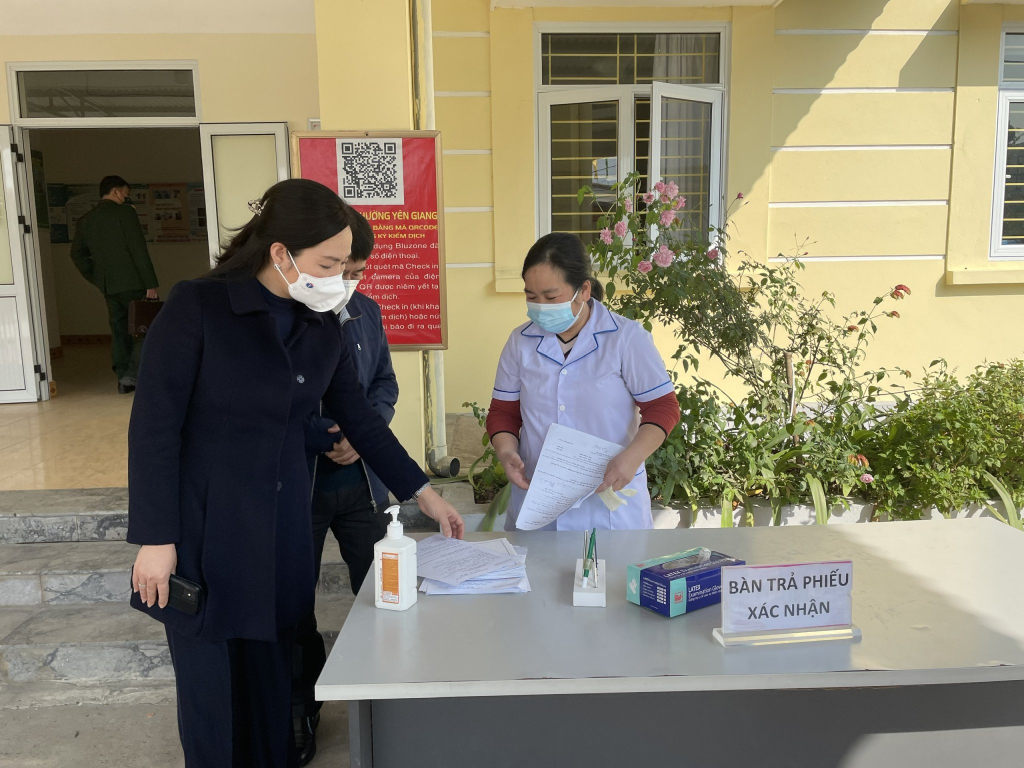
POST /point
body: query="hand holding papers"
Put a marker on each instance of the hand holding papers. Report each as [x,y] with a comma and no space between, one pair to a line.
[484,567]
[570,468]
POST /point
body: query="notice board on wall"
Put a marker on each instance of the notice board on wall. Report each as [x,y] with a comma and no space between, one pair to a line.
[168,213]
[394,180]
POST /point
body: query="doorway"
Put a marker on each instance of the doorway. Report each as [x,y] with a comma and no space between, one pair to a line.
[164,167]
[58,323]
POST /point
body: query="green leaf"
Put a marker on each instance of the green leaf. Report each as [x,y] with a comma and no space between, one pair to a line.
[821,511]
[498,506]
[727,508]
[1012,513]
[609,289]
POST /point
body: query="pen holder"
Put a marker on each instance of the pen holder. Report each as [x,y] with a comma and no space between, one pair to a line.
[593,594]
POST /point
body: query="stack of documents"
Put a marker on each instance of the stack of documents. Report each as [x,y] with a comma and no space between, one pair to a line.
[453,567]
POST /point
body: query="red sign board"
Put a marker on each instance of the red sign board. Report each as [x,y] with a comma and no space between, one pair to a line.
[394,180]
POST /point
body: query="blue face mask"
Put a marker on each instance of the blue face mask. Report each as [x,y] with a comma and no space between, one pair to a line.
[554,318]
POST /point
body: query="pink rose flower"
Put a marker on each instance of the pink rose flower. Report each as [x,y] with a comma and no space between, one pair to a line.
[621,228]
[628,205]
[666,199]
[672,189]
[713,254]
[664,257]
[667,217]
[866,478]
[679,204]
[649,197]
[644,267]
[606,236]
[659,187]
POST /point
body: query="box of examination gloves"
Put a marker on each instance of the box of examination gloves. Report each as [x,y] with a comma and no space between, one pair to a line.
[673,585]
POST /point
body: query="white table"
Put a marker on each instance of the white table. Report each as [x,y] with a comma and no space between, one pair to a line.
[498,680]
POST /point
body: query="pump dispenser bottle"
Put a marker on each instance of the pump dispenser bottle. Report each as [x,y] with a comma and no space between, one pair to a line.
[394,568]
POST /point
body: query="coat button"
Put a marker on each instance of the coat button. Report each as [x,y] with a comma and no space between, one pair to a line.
[564,371]
[301,379]
[280,485]
[561,407]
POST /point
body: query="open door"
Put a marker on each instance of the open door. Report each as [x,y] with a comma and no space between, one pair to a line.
[240,161]
[686,147]
[22,375]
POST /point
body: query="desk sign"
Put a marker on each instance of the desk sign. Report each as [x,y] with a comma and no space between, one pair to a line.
[764,604]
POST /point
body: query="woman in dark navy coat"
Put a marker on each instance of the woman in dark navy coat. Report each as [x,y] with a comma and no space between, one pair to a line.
[219,492]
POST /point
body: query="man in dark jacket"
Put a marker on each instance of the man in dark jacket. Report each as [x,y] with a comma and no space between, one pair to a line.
[348,498]
[110,251]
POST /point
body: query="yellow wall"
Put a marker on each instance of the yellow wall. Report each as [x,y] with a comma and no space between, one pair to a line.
[243,77]
[842,122]
[365,82]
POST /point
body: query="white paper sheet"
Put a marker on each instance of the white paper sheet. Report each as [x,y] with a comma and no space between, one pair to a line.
[477,587]
[508,580]
[571,467]
[452,562]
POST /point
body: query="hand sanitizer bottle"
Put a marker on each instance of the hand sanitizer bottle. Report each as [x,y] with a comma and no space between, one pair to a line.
[394,568]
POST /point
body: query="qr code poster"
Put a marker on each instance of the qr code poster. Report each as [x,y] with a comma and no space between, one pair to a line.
[370,171]
[394,181]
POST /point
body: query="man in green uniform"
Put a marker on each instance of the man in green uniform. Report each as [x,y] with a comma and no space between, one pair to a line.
[110,251]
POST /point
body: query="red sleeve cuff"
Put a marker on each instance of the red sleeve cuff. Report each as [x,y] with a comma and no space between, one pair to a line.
[661,412]
[504,416]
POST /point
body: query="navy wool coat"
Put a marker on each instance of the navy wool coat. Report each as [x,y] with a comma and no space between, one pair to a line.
[216,460]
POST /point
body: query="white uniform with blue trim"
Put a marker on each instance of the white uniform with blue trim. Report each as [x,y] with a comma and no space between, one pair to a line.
[612,366]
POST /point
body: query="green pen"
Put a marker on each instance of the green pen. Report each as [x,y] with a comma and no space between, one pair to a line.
[589,560]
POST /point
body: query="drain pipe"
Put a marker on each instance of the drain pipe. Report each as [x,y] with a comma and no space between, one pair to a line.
[438,460]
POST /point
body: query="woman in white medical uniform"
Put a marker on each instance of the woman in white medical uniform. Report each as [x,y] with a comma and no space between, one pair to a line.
[579,365]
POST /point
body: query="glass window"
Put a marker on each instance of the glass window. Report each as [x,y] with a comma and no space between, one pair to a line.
[633,59]
[1013,58]
[584,152]
[1013,189]
[107,93]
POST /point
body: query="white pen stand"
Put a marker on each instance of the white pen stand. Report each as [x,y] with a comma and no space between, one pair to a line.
[593,594]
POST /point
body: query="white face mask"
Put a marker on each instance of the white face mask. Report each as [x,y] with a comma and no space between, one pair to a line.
[321,294]
[350,289]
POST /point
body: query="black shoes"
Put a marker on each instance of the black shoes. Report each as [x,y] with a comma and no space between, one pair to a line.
[305,738]
[126,385]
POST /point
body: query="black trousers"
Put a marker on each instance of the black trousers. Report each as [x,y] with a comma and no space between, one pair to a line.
[350,514]
[124,349]
[234,701]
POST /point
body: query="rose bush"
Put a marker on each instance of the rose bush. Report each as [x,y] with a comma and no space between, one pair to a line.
[798,417]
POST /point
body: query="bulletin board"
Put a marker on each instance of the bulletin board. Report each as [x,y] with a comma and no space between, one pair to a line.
[168,213]
[394,180]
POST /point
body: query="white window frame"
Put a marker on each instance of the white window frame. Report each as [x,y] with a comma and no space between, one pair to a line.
[14,67]
[624,94]
[544,96]
[706,96]
[1009,91]
[207,132]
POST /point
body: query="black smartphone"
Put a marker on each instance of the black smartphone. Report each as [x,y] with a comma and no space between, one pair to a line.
[186,596]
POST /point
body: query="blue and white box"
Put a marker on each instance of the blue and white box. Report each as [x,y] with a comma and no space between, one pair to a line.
[661,585]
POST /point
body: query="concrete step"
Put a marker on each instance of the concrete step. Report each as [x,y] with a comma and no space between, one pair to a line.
[83,514]
[101,514]
[107,644]
[76,573]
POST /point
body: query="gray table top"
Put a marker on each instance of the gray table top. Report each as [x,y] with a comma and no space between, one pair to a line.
[937,602]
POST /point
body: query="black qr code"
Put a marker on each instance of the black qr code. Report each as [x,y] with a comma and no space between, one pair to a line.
[370,171]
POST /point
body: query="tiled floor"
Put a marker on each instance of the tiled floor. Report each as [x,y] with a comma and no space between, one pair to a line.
[78,438]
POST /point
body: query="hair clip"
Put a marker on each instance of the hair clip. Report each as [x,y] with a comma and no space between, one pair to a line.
[256,206]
